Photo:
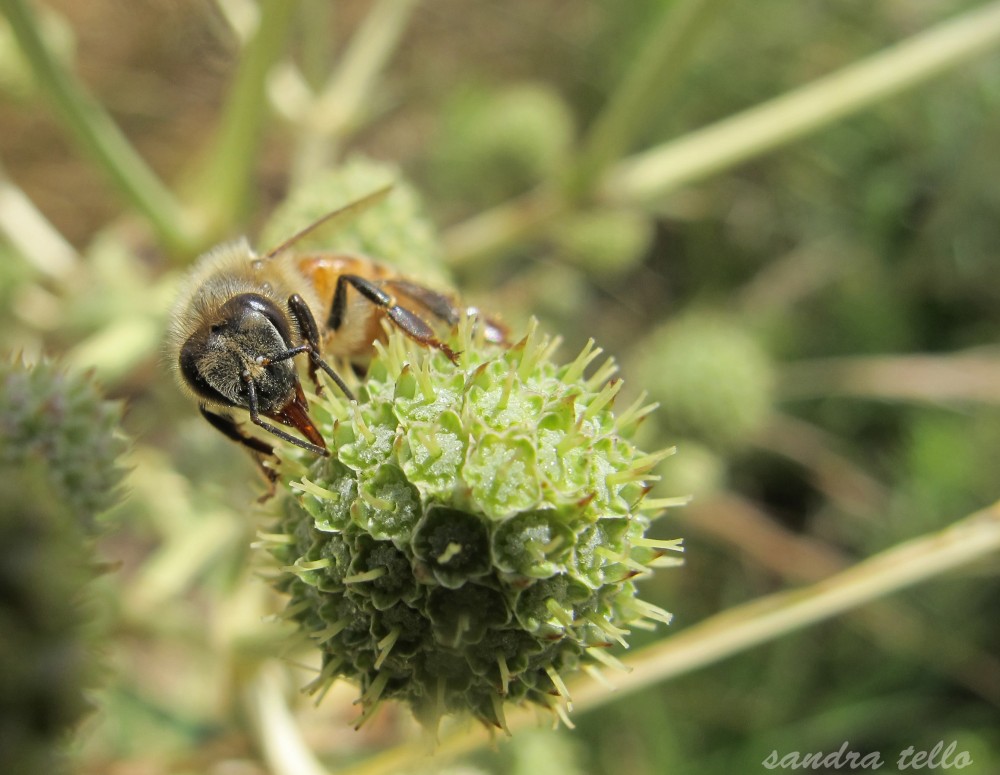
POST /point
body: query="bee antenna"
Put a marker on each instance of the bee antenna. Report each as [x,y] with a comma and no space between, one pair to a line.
[350,210]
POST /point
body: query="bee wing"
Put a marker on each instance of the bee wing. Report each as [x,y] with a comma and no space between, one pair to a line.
[438,304]
[350,210]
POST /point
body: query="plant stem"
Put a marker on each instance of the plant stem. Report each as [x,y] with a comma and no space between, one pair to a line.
[652,77]
[744,626]
[98,134]
[482,236]
[336,110]
[660,170]
[315,51]
[222,181]
[282,746]
[32,235]
[750,624]
[925,378]
[892,625]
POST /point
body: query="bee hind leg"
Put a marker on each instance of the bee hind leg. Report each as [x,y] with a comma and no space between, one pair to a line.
[408,322]
[443,308]
[439,305]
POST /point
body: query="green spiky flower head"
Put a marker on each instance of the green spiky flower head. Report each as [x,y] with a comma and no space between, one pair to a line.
[712,380]
[478,530]
[496,142]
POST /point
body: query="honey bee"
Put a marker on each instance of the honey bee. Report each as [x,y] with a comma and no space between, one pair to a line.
[241,319]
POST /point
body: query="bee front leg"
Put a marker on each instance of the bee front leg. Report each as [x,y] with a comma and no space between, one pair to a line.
[257,420]
[259,450]
[310,332]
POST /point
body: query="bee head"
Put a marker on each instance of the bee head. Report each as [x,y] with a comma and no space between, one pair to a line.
[241,358]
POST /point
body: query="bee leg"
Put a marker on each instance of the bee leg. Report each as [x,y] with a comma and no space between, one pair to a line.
[408,322]
[444,309]
[439,305]
[257,420]
[259,450]
[310,332]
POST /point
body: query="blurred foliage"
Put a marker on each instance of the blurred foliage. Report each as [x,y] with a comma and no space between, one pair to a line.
[46,653]
[396,227]
[875,236]
[60,446]
[496,141]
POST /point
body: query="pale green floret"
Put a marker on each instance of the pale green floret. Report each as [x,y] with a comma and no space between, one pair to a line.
[475,534]
[503,474]
[435,453]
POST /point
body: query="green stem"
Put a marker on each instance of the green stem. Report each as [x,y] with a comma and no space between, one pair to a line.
[275,727]
[936,379]
[482,236]
[969,539]
[337,109]
[663,169]
[652,78]
[315,51]
[98,134]
[32,235]
[222,182]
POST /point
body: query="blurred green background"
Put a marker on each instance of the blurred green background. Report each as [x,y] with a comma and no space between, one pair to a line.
[819,323]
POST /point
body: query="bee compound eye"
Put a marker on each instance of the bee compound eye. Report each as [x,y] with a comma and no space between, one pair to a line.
[250,310]
[200,370]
